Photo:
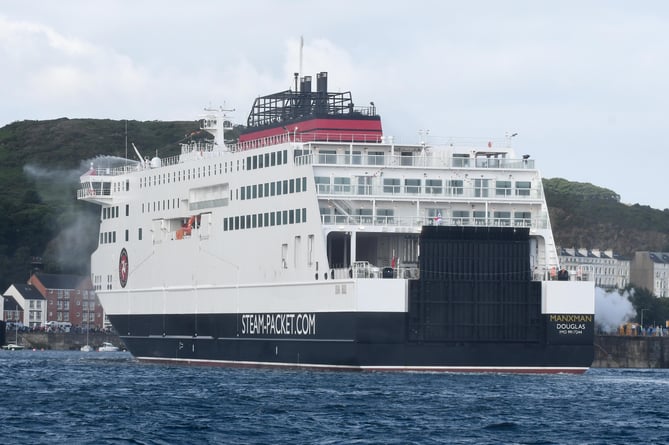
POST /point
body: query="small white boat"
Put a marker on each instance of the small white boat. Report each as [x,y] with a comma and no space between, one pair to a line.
[13,347]
[107,347]
[86,348]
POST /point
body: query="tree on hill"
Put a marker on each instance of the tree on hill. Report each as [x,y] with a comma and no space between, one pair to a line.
[40,165]
[584,215]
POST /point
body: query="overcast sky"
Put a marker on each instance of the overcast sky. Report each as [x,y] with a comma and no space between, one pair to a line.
[583,83]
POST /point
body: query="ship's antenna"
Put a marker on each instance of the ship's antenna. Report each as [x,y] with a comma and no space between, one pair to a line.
[126,140]
[301,47]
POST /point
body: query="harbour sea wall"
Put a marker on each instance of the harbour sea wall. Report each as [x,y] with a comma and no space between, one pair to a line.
[611,351]
[619,351]
[63,341]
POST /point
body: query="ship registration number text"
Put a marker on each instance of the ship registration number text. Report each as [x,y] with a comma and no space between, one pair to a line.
[279,324]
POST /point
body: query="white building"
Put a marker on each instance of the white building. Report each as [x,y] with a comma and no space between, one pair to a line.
[30,308]
[605,268]
[650,270]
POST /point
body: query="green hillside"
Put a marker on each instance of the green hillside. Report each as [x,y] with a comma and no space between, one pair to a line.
[584,215]
[41,161]
[40,165]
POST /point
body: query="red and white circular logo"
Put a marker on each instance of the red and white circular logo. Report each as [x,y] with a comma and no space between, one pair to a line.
[123,268]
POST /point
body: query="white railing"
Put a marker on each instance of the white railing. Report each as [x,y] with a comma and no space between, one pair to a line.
[336,191]
[420,160]
[416,221]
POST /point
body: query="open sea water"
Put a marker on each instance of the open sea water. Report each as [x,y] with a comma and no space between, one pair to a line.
[109,398]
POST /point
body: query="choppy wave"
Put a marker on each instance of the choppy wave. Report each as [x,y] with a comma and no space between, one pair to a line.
[99,398]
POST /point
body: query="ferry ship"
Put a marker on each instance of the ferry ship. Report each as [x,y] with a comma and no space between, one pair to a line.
[316,241]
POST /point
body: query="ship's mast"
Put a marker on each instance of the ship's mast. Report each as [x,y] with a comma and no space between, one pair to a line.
[301,48]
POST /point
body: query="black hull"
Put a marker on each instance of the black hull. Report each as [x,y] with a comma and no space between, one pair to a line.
[353,341]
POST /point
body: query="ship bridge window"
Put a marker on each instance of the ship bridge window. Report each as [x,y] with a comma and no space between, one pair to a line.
[406,158]
[523,219]
[412,185]
[279,161]
[502,218]
[481,188]
[523,188]
[260,161]
[461,217]
[327,157]
[436,215]
[375,158]
[503,188]
[273,158]
[480,218]
[322,184]
[460,160]
[433,186]
[391,185]
[385,216]
[342,185]
[364,215]
[356,158]
[326,215]
[456,186]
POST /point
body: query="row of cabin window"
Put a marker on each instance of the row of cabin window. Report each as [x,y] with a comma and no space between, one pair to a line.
[107,237]
[155,206]
[110,237]
[267,219]
[112,212]
[274,188]
[267,160]
[252,162]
